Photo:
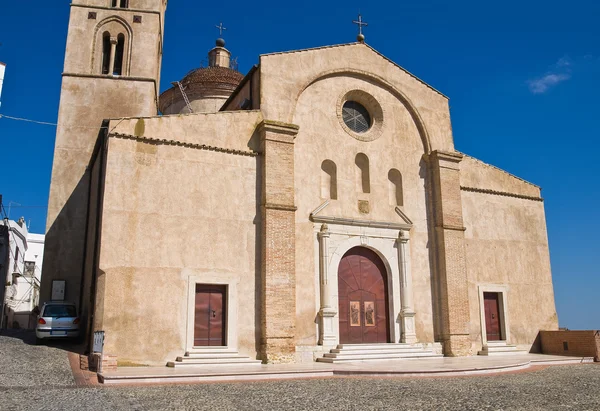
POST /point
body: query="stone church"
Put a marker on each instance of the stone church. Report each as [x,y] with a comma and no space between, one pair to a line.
[286,215]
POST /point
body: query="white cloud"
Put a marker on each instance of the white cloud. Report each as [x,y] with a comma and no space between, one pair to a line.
[542,84]
[559,72]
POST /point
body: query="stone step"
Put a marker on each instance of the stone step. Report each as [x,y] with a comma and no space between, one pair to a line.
[380,350]
[381,357]
[351,347]
[210,354]
[496,343]
[198,362]
[513,351]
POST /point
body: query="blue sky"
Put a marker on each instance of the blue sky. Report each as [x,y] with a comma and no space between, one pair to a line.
[522,77]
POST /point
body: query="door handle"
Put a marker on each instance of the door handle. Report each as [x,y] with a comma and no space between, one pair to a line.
[214,313]
[493,316]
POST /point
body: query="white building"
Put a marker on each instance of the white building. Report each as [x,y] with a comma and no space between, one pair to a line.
[23,275]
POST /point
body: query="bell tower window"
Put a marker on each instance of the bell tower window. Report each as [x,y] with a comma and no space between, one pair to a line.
[106,52]
[118,67]
[120,3]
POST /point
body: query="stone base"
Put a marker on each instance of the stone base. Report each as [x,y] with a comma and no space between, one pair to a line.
[457,345]
[408,327]
[326,333]
[278,351]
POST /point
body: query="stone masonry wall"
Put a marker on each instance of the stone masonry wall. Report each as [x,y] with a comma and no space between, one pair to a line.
[577,343]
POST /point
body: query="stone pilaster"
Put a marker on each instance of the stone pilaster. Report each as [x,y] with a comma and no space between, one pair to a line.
[451,273]
[327,312]
[407,312]
[278,316]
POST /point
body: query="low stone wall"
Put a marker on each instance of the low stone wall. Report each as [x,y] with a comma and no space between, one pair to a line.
[574,343]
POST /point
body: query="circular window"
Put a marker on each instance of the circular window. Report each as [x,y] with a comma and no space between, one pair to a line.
[356,117]
[360,115]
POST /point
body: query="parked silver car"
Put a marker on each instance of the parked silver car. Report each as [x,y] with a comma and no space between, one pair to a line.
[57,320]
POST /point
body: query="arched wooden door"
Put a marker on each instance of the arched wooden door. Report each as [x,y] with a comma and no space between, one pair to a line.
[362,292]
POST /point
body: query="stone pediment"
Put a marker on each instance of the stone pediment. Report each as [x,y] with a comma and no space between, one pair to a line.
[317,217]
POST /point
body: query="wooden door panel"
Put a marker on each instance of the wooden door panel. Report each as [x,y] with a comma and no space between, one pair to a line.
[362,288]
[492,316]
[209,316]
[201,337]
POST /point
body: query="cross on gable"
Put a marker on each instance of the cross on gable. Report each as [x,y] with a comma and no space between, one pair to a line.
[360,24]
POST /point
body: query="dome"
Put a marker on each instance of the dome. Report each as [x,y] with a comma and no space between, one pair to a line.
[200,83]
[212,76]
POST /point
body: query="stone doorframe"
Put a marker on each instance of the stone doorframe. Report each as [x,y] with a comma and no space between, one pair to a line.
[333,238]
[502,291]
[231,301]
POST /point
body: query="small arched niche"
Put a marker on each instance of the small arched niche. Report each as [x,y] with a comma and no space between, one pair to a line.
[329,180]
[396,194]
[363,179]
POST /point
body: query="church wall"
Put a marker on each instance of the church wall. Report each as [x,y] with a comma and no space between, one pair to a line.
[507,250]
[477,174]
[172,213]
[285,75]
[321,137]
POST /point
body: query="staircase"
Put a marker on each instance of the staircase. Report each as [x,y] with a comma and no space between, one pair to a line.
[500,348]
[216,357]
[345,353]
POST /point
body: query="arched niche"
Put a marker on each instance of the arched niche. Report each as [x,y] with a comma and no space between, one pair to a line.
[329,180]
[363,178]
[396,195]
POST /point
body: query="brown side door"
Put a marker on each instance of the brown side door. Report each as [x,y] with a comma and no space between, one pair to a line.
[362,291]
[209,320]
[492,316]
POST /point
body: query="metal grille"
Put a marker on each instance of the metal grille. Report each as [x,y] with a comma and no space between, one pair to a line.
[356,117]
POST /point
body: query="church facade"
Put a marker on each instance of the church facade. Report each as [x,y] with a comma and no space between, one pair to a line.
[318,200]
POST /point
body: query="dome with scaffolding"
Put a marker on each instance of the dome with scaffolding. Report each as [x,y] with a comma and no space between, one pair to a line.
[206,88]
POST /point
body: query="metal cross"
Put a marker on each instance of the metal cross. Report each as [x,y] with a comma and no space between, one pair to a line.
[360,23]
[221,28]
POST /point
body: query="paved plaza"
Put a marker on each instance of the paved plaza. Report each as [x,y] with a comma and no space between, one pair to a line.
[40,378]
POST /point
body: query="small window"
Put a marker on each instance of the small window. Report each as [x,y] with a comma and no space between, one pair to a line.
[565,346]
[121,3]
[118,68]
[356,117]
[106,52]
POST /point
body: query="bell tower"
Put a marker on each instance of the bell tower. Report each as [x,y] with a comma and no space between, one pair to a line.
[111,70]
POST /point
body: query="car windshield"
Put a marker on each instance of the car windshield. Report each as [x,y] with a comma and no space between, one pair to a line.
[60,311]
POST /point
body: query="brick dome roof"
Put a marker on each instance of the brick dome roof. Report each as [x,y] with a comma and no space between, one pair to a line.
[213,76]
[201,82]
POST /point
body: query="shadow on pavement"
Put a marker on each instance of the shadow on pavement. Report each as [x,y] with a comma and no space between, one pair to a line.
[28,337]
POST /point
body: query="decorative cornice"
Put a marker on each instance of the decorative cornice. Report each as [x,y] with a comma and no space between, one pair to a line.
[399,211]
[452,227]
[283,207]
[360,223]
[115,9]
[185,145]
[278,127]
[500,193]
[109,77]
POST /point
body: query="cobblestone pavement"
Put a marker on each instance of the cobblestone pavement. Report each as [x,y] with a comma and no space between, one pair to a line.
[39,378]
